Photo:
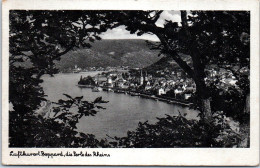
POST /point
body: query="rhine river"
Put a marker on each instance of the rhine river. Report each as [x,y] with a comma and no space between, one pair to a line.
[123,112]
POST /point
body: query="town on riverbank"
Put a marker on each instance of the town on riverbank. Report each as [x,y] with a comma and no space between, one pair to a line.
[171,87]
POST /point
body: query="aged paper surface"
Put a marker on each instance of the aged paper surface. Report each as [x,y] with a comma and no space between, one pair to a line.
[181,156]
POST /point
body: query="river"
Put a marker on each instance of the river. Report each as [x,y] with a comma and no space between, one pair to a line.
[122,113]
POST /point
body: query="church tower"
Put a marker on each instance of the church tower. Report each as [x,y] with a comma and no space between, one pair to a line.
[141,78]
[109,80]
[146,77]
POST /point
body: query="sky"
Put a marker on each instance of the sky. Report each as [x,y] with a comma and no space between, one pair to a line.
[121,33]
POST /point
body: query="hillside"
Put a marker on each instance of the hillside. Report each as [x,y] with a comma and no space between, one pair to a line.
[167,62]
[129,52]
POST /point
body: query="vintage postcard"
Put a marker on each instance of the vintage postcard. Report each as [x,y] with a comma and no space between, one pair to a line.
[134,82]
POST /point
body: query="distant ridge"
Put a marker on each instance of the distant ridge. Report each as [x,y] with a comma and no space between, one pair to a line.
[167,62]
[109,52]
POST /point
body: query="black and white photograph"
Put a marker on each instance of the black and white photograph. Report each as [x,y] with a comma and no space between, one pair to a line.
[129,79]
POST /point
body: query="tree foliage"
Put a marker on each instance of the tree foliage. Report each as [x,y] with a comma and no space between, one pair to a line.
[57,128]
[208,37]
[87,81]
[38,38]
[177,131]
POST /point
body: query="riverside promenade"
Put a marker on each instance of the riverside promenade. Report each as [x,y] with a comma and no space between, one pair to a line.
[149,96]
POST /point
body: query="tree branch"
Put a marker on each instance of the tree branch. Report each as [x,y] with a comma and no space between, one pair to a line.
[195,54]
[63,52]
[160,33]
[184,22]
[173,54]
[182,64]
[157,16]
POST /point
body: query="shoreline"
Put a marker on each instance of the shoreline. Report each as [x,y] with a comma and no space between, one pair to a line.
[143,95]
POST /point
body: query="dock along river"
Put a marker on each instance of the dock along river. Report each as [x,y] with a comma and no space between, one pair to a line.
[123,112]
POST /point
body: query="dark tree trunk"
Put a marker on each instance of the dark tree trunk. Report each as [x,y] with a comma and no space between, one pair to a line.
[247,104]
[206,109]
[205,99]
[206,116]
[197,73]
[199,76]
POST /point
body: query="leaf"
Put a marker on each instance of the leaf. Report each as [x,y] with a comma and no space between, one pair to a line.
[87,45]
[91,39]
[79,98]
[61,116]
[98,38]
[60,101]
[83,135]
[68,96]
[100,107]
[98,99]
[56,109]
[102,101]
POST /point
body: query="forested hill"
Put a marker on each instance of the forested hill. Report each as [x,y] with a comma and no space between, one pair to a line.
[167,62]
[126,52]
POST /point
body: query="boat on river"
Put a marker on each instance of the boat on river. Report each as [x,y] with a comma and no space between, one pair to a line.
[108,89]
[153,97]
[119,91]
[134,94]
[96,89]
[85,86]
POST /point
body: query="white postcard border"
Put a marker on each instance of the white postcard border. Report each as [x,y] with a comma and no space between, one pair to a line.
[140,156]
